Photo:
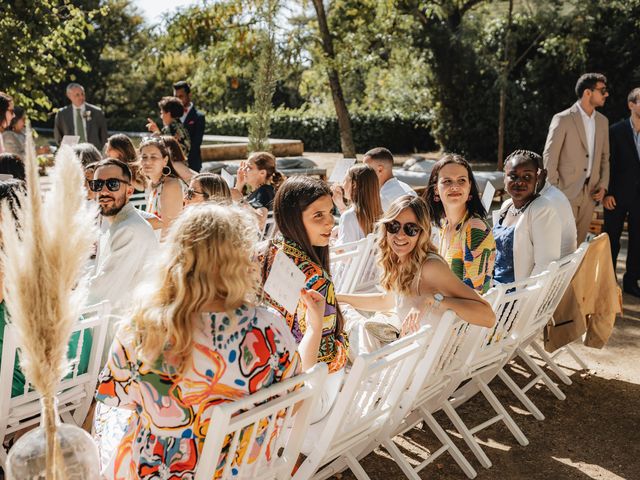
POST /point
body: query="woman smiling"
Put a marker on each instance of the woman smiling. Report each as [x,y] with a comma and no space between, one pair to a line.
[526,224]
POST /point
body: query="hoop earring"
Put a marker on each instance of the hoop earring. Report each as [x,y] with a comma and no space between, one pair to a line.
[166,170]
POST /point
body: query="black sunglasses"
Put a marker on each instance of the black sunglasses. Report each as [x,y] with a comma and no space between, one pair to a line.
[113,184]
[410,229]
[191,192]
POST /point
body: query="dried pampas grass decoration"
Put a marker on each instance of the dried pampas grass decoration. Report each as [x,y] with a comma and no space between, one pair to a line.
[44,255]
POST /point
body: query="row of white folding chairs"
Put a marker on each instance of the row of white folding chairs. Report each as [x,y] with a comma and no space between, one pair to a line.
[75,391]
[435,369]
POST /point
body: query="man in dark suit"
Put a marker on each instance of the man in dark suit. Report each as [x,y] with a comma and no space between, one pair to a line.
[193,121]
[623,194]
[81,119]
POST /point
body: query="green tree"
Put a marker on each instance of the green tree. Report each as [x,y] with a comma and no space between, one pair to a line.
[39,42]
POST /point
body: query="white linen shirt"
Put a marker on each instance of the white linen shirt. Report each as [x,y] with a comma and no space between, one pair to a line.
[392,189]
[589,123]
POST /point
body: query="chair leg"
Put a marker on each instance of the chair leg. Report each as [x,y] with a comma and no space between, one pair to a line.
[517,391]
[355,467]
[397,455]
[471,442]
[543,376]
[439,432]
[506,418]
[576,357]
[551,363]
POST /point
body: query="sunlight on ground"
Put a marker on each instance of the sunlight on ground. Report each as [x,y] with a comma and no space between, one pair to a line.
[592,471]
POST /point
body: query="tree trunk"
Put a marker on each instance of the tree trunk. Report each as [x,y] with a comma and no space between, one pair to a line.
[344,121]
[504,78]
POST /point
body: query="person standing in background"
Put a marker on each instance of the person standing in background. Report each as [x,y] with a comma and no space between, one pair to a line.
[576,154]
[623,195]
[194,122]
[81,119]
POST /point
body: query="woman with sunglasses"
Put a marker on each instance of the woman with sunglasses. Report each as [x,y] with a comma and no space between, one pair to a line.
[207,186]
[526,224]
[164,189]
[415,278]
[466,241]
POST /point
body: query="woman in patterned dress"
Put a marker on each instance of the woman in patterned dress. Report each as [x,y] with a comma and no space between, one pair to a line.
[171,110]
[164,189]
[303,213]
[195,341]
[466,240]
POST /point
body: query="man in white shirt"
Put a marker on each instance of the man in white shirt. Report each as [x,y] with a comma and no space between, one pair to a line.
[560,203]
[381,160]
[576,154]
[81,119]
[126,246]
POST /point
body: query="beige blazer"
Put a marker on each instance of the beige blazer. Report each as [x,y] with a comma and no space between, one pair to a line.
[566,153]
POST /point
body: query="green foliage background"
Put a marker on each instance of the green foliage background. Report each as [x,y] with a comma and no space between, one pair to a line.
[417,74]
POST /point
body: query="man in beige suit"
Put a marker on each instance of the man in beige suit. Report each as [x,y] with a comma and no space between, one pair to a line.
[576,154]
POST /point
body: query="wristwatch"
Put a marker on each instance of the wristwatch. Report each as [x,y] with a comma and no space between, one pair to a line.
[437,300]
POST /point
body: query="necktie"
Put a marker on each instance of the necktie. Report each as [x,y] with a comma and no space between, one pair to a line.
[80,126]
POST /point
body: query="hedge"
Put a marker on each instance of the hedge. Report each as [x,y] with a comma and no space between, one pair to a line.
[399,133]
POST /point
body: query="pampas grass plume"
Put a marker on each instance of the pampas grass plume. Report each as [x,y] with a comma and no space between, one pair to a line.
[44,255]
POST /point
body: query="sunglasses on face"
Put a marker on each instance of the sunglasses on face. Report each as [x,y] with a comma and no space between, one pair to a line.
[410,229]
[113,184]
[188,195]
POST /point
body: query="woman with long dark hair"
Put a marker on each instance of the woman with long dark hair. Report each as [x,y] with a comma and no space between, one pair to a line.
[303,213]
[362,188]
[466,241]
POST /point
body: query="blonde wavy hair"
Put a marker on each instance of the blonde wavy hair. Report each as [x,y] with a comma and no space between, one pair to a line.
[399,276]
[207,256]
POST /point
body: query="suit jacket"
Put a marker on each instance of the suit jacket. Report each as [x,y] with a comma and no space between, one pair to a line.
[96,125]
[624,179]
[566,153]
[194,123]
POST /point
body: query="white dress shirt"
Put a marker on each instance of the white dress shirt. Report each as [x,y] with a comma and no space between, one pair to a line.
[589,123]
[186,112]
[569,235]
[392,189]
[348,227]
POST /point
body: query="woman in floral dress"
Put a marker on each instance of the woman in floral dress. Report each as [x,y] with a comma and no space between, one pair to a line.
[195,341]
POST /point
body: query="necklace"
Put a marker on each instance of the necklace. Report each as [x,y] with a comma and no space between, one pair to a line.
[519,211]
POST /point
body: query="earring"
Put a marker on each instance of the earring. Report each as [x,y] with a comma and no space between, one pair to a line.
[166,170]
[436,198]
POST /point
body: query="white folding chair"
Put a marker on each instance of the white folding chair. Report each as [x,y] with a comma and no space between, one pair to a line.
[370,393]
[139,201]
[270,228]
[259,436]
[367,276]
[434,380]
[75,391]
[574,260]
[345,260]
[513,304]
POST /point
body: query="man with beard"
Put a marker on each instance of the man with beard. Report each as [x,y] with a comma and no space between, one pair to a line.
[576,154]
[126,245]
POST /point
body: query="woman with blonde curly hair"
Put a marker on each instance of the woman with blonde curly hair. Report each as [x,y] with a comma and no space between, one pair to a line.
[415,278]
[195,341]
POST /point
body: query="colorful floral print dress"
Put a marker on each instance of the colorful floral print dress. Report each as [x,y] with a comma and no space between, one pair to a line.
[471,253]
[232,358]
[178,131]
[333,345]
